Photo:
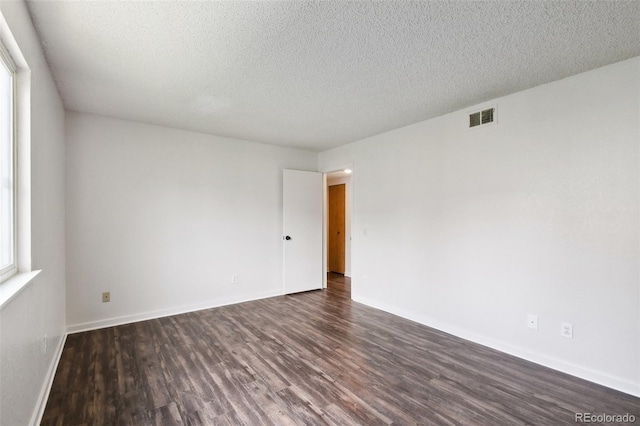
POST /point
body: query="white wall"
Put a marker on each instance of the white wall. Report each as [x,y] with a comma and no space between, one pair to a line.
[470,230]
[346,180]
[25,367]
[162,218]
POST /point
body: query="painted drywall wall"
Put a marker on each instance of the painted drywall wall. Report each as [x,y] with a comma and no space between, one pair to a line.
[470,230]
[163,218]
[39,310]
[346,180]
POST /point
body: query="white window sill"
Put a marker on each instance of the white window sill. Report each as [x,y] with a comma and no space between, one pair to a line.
[14,285]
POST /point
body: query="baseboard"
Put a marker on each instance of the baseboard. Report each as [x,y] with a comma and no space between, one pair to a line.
[597,377]
[36,418]
[145,316]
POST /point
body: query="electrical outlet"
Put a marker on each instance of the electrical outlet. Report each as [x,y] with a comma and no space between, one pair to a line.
[532,321]
[106,297]
[45,344]
[566,330]
[234,278]
[364,279]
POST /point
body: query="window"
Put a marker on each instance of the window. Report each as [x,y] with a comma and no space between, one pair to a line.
[15,168]
[8,252]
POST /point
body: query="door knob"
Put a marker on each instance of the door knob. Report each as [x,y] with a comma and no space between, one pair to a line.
[287,238]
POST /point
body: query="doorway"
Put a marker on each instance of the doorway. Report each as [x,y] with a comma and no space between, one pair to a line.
[336,225]
[338,202]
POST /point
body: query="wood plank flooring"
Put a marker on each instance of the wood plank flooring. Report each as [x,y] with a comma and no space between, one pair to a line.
[311,358]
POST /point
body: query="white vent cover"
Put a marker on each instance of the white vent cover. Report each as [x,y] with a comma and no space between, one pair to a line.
[483,117]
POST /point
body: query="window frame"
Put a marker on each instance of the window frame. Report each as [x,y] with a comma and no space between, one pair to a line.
[22,274]
[8,62]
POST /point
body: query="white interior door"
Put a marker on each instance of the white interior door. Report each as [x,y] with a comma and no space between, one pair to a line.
[302,225]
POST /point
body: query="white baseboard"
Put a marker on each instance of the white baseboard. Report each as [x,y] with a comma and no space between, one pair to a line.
[128,319]
[43,397]
[598,377]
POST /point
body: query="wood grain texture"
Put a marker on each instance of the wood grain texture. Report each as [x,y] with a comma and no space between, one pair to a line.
[336,232]
[311,358]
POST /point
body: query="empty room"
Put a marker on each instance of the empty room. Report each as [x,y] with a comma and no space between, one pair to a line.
[319,212]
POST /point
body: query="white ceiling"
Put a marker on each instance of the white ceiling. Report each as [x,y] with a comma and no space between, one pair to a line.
[316,75]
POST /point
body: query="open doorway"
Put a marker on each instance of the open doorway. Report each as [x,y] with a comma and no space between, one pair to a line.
[338,231]
[336,228]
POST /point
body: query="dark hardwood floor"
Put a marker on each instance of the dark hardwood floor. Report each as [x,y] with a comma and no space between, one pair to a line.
[338,285]
[310,358]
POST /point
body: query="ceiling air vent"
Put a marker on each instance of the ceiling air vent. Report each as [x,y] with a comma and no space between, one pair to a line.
[481,117]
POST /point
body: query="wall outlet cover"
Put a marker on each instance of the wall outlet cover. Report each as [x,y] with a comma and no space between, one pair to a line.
[566,330]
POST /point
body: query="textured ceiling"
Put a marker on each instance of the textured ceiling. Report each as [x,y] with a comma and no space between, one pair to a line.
[316,75]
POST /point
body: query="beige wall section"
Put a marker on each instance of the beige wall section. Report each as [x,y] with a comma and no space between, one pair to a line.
[39,310]
[539,214]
